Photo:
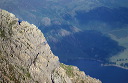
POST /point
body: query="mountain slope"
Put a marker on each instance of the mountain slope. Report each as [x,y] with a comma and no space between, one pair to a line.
[25,56]
[100,15]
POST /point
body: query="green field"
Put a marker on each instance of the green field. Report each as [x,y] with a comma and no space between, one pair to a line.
[121,36]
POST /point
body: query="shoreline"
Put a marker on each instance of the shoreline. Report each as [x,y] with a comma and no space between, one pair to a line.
[79,58]
[102,63]
[114,66]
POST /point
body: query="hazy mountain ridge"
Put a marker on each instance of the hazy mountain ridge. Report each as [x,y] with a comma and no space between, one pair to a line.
[56,8]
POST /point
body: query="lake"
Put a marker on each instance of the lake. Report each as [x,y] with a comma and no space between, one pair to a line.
[107,74]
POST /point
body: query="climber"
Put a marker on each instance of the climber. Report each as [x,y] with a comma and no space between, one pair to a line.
[19,21]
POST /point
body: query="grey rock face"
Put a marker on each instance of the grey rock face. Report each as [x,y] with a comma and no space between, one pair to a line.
[25,56]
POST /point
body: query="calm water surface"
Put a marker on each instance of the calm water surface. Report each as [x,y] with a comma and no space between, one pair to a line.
[107,74]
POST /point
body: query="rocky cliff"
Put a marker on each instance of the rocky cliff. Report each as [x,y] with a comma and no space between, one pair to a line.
[25,56]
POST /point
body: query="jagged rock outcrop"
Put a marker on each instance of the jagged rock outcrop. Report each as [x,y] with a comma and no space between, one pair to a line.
[25,56]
